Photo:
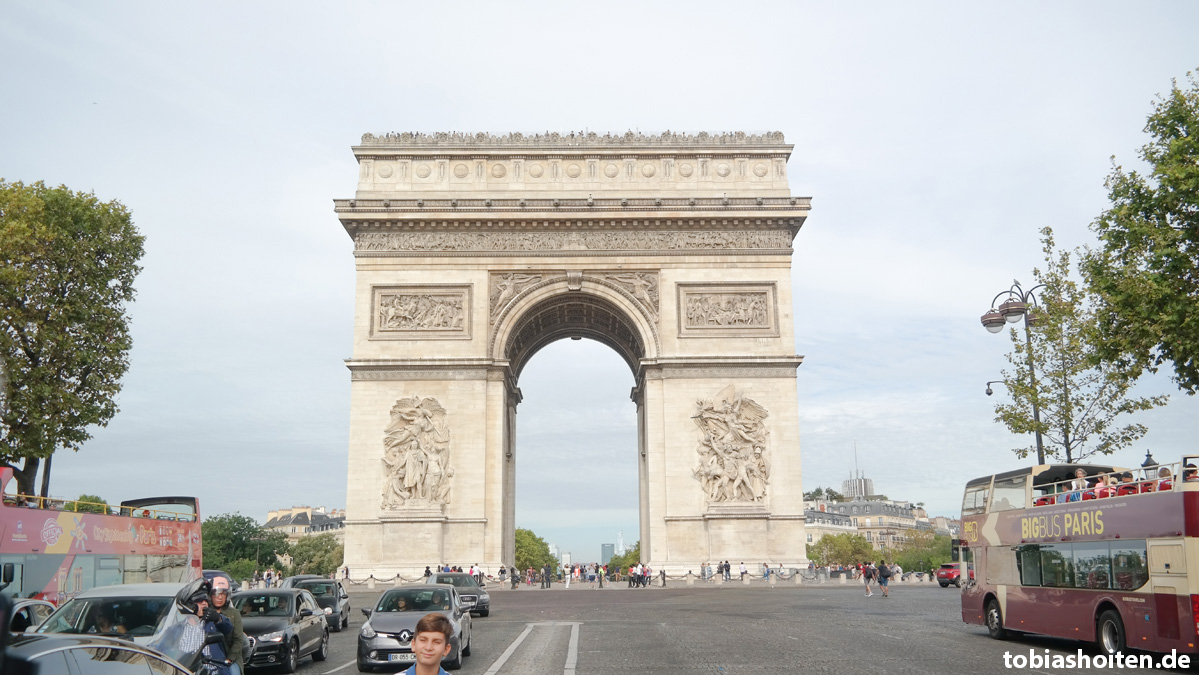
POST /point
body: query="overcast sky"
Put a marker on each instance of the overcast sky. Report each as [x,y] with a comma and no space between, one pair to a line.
[935,139]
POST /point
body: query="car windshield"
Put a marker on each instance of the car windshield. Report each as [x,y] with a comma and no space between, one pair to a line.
[320,589]
[414,600]
[262,604]
[108,616]
[459,580]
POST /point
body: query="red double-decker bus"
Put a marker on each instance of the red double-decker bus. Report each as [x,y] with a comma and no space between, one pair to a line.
[56,550]
[1100,556]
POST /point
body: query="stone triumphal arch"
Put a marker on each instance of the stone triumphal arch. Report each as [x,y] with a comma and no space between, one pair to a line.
[474,251]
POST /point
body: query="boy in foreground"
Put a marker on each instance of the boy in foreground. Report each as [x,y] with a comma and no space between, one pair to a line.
[431,645]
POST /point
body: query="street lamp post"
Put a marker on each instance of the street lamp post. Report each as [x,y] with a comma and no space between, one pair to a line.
[1013,309]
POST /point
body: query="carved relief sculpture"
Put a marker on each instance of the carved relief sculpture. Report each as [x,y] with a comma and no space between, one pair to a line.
[398,311]
[642,285]
[506,286]
[734,460]
[411,312]
[558,241]
[747,310]
[416,445]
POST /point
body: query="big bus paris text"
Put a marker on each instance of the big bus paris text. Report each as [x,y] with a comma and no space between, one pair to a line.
[1087,552]
[54,549]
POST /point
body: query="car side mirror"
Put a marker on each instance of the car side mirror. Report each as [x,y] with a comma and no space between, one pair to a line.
[366,612]
[305,612]
[10,573]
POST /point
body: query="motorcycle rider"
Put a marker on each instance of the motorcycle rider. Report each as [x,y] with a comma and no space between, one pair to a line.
[213,623]
[235,639]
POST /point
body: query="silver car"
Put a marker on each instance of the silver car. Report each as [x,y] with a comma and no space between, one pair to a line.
[386,637]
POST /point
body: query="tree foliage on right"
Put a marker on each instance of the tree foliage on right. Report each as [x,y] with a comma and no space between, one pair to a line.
[1082,397]
[1146,273]
[317,554]
[232,537]
[532,551]
[840,549]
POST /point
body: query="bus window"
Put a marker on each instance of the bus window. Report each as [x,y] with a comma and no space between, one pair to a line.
[1057,565]
[1128,565]
[1093,565]
[1028,560]
[975,501]
[1009,494]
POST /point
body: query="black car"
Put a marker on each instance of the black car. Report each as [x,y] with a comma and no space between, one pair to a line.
[286,624]
[469,589]
[83,655]
[332,598]
[290,582]
[387,636]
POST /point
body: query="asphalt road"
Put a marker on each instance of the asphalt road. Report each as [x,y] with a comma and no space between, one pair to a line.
[721,629]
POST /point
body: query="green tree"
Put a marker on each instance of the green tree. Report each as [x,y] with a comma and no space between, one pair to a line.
[317,554]
[1145,275]
[232,536]
[631,556]
[840,549]
[1080,395]
[67,266]
[833,496]
[814,495]
[923,550]
[532,551]
[91,504]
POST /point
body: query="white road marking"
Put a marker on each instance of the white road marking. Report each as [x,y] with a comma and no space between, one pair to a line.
[340,667]
[789,637]
[890,636]
[572,652]
[499,663]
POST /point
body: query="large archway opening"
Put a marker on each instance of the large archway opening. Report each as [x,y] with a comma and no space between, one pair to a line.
[576,450]
[580,481]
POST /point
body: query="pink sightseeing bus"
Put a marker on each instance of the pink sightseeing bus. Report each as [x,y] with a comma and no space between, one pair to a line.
[52,550]
[1100,556]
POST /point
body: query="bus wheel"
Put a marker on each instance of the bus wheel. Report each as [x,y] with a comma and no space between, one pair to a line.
[1110,633]
[995,621]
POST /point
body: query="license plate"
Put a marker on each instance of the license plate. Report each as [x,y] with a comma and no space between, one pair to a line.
[401,657]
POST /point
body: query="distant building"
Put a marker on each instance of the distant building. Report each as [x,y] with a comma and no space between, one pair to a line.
[301,521]
[607,551]
[857,487]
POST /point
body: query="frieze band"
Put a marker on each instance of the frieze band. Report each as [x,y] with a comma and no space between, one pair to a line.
[572,241]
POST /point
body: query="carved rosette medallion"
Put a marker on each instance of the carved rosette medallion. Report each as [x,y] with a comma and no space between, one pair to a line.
[734,457]
[643,286]
[505,286]
[420,312]
[735,310]
[416,456]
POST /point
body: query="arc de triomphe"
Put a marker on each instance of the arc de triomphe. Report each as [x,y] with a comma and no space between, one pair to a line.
[474,251]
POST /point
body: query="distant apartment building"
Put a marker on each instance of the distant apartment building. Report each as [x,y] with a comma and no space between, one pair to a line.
[819,523]
[607,551]
[302,521]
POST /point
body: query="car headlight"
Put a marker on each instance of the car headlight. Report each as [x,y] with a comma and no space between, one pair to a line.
[367,632]
[277,636]
[328,610]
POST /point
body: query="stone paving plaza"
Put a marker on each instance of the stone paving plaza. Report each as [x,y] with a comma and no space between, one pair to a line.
[829,628]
